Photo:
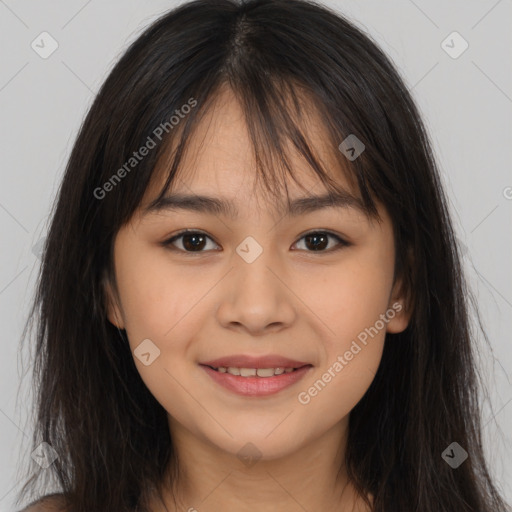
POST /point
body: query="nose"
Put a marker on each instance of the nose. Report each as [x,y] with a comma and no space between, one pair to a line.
[256,298]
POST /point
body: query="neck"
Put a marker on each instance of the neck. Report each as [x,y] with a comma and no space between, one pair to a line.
[210,479]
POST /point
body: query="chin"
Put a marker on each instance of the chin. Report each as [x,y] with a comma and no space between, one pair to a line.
[254,443]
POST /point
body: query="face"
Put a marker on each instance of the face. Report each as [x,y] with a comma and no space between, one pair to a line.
[254,287]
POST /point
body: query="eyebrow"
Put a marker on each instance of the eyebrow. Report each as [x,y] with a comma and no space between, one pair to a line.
[220,206]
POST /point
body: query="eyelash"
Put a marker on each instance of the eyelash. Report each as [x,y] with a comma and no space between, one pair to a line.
[169,242]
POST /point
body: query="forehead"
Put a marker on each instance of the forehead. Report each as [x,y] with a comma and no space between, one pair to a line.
[220,160]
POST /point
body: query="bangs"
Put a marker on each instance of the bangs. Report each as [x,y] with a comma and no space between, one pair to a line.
[280,116]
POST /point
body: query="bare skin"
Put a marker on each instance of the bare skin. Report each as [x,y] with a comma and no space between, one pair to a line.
[292,301]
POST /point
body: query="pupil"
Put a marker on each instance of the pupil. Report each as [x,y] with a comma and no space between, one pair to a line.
[194,244]
[315,238]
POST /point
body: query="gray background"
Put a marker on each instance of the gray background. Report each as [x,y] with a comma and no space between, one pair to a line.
[466,103]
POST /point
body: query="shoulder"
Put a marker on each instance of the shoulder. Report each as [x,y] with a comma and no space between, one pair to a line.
[49,503]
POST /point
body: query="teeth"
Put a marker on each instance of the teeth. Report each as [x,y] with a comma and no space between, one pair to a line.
[253,372]
[265,372]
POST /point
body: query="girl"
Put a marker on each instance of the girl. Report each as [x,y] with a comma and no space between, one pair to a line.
[251,297]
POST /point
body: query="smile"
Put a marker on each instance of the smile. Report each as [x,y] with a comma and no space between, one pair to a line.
[253,372]
[256,381]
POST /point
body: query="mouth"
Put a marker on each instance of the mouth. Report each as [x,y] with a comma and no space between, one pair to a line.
[256,372]
[258,378]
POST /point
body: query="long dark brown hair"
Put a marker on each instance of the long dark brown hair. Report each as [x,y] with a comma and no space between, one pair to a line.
[111,435]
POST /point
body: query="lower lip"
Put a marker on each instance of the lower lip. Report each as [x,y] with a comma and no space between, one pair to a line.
[256,386]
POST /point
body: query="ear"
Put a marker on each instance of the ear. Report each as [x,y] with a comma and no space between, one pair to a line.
[399,309]
[114,313]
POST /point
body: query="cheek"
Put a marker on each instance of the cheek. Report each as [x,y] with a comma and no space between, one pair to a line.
[352,296]
[351,305]
[339,386]
[156,296]
[159,304]
[352,346]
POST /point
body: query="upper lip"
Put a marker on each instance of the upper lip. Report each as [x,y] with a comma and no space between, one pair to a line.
[247,361]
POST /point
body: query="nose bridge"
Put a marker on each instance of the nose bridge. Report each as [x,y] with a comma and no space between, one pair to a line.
[254,277]
[256,298]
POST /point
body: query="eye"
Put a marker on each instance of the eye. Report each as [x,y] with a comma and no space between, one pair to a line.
[197,241]
[190,241]
[318,241]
